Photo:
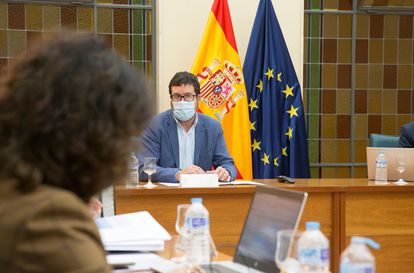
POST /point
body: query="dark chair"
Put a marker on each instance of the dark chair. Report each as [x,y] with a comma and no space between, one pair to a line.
[379,140]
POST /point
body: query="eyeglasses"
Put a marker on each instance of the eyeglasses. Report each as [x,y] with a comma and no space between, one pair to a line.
[186,97]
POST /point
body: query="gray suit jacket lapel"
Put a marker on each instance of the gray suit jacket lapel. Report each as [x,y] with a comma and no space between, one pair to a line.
[200,141]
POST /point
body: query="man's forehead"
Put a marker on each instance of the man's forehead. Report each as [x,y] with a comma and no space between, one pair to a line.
[185,87]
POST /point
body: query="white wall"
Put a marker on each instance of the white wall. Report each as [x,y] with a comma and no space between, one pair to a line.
[181,23]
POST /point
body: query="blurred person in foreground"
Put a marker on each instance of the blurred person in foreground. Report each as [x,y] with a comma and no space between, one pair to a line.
[68,108]
[184,141]
[407,135]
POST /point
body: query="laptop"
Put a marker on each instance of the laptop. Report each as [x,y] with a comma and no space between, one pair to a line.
[271,209]
[392,155]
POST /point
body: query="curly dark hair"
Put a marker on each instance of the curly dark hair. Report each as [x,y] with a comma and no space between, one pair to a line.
[185,78]
[68,108]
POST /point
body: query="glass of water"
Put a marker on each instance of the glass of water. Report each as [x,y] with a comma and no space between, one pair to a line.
[150,168]
[181,230]
[286,251]
[180,227]
[401,169]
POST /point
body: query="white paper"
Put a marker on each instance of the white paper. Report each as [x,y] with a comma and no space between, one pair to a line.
[133,231]
[141,245]
[125,220]
[169,184]
[142,261]
[237,182]
[240,182]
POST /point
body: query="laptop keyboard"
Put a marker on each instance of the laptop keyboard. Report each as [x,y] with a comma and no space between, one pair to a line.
[217,268]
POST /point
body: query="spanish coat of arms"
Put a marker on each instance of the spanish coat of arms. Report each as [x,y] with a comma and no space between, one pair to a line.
[217,86]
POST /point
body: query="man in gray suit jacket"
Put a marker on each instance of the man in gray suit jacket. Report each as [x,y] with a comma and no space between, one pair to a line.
[183,141]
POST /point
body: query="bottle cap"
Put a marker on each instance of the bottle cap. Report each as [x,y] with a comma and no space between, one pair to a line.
[197,200]
[364,240]
[312,225]
[358,240]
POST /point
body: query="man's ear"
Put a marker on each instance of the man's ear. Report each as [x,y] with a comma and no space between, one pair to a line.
[197,100]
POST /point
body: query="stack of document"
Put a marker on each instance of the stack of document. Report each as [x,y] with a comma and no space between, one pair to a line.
[140,262]
[137,231]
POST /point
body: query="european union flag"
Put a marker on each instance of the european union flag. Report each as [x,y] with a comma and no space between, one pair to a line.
[277,123]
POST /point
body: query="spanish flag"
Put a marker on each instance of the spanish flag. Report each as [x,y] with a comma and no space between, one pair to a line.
[223,92]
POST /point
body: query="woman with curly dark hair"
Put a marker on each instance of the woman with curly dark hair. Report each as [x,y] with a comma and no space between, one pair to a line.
[68,108]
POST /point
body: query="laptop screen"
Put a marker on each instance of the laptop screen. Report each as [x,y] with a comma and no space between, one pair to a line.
[271,210]
[395,157]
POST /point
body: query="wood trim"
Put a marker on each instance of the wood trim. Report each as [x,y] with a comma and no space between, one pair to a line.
[336,231]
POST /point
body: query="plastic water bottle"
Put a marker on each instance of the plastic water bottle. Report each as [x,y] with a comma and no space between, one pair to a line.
[357,258]
[313,249]
[197,250]
[132,180]
[381,168]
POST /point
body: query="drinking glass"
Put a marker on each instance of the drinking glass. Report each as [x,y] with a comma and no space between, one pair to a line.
[180,227]
[150,168]
[181,230]
[286,251]
[401,169]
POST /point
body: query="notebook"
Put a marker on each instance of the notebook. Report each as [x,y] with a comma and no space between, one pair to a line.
[393,155]
[271,210]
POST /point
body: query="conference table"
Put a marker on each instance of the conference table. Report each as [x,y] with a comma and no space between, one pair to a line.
[344,207]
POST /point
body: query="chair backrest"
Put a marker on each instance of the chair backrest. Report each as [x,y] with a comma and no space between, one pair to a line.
[379,140]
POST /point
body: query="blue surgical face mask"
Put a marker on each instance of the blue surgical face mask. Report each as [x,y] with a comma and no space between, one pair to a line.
[183,110]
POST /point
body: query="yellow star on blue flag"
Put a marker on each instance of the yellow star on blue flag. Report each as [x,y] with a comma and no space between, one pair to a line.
[289,133]
[269,73]
[260,86]
[279,77]
[265,159]
[276,161]
[252,126]
[288,91]
[253,104]
[256,145]
[293,111]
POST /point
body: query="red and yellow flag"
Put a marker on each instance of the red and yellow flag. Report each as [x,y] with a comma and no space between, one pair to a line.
[223,93]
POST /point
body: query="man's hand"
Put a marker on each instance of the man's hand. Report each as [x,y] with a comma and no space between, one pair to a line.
[223,174]
[95,207]
[193,169]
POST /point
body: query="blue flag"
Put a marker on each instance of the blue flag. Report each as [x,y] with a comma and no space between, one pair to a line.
[277,123]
